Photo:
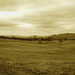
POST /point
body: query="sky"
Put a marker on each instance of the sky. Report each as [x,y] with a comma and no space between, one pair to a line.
[37,17]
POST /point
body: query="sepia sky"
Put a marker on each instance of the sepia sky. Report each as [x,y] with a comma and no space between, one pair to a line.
[37,17]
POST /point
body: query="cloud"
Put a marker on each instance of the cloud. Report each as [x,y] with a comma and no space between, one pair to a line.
[46,16]
[51,18]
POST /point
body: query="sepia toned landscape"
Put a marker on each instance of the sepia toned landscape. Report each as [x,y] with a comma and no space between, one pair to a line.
[37,37]
[49,55]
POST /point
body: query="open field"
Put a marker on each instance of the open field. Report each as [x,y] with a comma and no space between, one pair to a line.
[30,58]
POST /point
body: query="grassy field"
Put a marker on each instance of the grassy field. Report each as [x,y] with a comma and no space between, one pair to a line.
[30,58]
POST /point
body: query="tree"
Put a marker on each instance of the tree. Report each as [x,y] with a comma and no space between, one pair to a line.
[39,41]
[60,40]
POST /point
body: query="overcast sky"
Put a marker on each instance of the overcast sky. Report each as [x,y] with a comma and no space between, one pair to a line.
[37,17]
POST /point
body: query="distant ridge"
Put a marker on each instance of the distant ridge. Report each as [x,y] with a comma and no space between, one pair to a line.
[65,35]
[59,36]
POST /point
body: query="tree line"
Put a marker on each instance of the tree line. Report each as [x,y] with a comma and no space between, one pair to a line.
[35,38]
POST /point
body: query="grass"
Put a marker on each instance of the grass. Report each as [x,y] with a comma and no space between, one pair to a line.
[30,58]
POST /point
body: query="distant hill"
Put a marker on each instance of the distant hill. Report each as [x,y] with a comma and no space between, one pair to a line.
[65,35]
[36,37]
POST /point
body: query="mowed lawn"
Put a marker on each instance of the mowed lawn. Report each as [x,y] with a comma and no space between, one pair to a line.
[30,58]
